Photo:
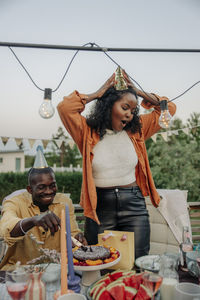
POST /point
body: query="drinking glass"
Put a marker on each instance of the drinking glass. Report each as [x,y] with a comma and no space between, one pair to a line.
[153,282]
[187,291]
[17,284]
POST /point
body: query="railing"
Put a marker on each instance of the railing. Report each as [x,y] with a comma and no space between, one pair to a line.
[80,218]
[194,212]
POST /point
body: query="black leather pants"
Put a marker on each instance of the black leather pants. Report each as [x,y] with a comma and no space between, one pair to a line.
[122,209]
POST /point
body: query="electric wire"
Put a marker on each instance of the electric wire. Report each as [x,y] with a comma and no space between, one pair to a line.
[104,51]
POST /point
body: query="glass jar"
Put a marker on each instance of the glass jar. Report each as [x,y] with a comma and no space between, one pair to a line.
[170,277]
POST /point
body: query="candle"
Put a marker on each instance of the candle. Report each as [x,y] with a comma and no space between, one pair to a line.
[63,254]
[69,245]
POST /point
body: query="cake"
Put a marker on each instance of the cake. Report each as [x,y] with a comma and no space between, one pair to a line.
[91,253]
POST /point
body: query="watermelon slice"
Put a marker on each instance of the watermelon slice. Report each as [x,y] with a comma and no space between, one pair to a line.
[106,279]
[116,274]
[130,293]
[136,280]
[127,281]
[103,295]
[143,293]
[96,289]
[128,273]
[117,290]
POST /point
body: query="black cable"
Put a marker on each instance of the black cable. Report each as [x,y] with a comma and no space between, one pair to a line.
[63,75]
[104,51]
[127,73]
[139,84]
[69,67]
[25,69]
[185,91]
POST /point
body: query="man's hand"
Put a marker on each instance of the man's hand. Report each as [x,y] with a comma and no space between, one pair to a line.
[47,220]
[80,237]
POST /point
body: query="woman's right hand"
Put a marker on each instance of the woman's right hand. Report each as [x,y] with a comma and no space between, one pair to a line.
[99,93]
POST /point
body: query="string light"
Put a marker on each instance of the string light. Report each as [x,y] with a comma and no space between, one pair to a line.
[165,118]
[46,109]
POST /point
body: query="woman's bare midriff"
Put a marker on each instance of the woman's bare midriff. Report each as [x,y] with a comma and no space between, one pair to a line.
[122,186]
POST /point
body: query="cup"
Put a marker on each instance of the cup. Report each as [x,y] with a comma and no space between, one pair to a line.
[72,296]
[192,265]
[187,291]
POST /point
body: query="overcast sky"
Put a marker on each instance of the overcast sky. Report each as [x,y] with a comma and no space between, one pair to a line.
[109,23]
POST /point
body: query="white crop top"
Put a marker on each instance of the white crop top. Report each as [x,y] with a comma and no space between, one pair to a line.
[114,160]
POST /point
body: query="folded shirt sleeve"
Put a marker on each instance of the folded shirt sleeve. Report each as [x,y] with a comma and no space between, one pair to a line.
[8,221]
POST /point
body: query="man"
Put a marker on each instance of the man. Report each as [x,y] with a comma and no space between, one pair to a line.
[35,211]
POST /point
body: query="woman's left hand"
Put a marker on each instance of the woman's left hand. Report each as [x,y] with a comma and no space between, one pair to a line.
[129,82]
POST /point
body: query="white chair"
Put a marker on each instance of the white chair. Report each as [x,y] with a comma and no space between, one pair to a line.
[167,221]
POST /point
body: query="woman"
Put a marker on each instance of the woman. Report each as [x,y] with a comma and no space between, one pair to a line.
[116,172]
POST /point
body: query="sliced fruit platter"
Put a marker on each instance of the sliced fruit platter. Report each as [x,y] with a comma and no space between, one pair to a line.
[119,285]
[112,256]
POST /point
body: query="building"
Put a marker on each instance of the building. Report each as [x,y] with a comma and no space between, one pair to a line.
[12,161]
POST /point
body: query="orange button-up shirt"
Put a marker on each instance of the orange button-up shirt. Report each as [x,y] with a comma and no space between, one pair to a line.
[70,113]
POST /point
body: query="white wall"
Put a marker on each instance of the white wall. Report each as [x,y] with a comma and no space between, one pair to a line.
[9,161]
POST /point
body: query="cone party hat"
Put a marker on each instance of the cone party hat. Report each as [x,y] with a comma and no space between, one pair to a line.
[120,82]
[40,161]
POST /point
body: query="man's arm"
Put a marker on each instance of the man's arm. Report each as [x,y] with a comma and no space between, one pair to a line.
[47,220]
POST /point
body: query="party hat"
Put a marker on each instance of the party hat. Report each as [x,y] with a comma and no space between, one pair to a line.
[120,82]
[40,161]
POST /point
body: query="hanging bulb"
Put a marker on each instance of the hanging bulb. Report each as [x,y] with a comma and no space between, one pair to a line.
[46,109]
[165,117]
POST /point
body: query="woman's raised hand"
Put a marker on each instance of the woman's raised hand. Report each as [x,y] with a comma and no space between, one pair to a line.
[108,84]
[99,93]
[129,82]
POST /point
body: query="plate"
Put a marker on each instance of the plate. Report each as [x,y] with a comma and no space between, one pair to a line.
[98,267]
[148,262]
[157,296]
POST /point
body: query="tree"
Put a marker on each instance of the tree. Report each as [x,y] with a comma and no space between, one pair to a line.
[67,154]
[176,164]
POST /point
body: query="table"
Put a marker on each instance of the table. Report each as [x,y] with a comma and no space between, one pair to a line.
[183,277]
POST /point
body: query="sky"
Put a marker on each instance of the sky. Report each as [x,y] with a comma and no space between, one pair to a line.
[109,23]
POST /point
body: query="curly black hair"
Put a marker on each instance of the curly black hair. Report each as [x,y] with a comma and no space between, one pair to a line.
[100,118]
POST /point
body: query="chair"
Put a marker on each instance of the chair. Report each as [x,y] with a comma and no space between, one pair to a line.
[161,239]
[194,212]
[167,221]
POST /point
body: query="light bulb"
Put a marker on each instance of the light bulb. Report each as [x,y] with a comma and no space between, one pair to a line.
[165,117]
[46,109]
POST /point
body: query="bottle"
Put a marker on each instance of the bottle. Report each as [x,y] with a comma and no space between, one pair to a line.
[170,277]
[186,245]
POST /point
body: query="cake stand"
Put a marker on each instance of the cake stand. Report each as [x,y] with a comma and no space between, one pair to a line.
[90,274]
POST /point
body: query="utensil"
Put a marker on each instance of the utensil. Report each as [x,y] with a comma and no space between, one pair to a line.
[78,244]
